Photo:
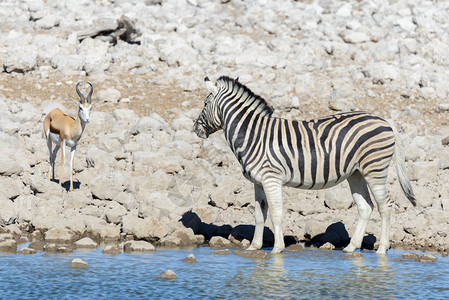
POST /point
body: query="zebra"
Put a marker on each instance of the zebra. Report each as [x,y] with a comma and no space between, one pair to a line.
[316,154]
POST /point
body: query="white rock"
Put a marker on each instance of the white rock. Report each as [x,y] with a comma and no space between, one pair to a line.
[382,72]
[154,122]
[108,185]
[68,62]
[138,246]
[110,95]
[47,22]
[338,198]
[125,115]
[424,172]
[86,243]
[78,263]
[115,214]
[59,234]
[21,59]
[354,37]
[9,166]
[8,213]
[95,52]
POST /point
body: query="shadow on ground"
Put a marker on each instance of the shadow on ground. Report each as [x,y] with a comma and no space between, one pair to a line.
[239,232]
[336,233]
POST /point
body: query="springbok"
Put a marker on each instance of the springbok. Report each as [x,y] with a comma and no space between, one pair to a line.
[64,130]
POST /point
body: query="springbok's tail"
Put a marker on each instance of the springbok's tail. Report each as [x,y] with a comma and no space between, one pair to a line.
[402,175]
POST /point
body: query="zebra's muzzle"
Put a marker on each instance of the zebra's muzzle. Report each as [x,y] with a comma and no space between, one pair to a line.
[200,131]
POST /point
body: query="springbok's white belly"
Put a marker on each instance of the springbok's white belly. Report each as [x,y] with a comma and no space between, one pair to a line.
[55,138]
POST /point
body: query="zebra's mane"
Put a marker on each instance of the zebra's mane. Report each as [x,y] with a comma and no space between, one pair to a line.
[236,86]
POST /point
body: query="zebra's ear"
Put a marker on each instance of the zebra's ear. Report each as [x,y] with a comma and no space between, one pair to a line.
[236,79]
[210,86]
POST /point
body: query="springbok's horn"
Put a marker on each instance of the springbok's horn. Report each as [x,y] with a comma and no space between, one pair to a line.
[89,100]
[79,93]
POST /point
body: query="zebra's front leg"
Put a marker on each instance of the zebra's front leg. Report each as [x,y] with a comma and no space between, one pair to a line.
[360,193]
[260,214]
[273,191]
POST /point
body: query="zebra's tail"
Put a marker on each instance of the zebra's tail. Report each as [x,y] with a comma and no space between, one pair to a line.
[404,181]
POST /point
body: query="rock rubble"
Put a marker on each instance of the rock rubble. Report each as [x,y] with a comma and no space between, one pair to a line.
[139,168]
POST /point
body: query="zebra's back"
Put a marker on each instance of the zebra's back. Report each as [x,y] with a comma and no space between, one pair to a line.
[321,153]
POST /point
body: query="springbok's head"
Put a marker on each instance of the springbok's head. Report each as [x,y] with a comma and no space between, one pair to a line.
[209,120]
[84,104]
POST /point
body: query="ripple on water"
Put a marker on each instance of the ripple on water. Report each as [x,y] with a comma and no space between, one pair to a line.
[308,274]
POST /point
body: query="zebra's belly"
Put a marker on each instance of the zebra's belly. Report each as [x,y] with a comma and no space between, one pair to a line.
[318,185]
[296,182]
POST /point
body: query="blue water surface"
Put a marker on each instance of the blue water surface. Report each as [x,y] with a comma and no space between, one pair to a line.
[312,274]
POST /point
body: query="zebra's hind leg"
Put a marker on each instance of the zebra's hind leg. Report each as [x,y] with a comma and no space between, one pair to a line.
[273,191]
[384,205]
[260,214]
[360,193]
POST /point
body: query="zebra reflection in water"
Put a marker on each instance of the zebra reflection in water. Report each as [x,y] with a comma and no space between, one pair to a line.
[316,154]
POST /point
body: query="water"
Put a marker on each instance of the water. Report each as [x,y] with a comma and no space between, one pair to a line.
[310,274]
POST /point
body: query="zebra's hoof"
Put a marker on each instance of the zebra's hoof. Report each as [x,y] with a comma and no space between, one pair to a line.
[252,248]
[277,250]
[381,250]
[349,249]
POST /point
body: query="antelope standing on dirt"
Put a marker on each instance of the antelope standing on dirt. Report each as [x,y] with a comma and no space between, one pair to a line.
[64,130]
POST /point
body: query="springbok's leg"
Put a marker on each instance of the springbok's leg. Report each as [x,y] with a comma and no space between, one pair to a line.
[72,155]
[360,193]
[62,160]
[273,191]
[49,144]
[260,214]
[55,152]
[384,204]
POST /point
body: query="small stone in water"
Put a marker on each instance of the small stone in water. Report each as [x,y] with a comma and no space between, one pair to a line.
[138,246]
[413,256]
[78,263]
[112,250]
[427,257]
[64,250]
[169,274]
[50,248]
[356,254]
[256,254]
[190,259]
[222,252]
[397,259]
[294,248]
[26,251]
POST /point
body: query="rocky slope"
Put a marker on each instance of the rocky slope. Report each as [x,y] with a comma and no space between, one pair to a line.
[140,171]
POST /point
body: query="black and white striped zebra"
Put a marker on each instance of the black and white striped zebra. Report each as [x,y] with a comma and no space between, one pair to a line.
[316,154]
